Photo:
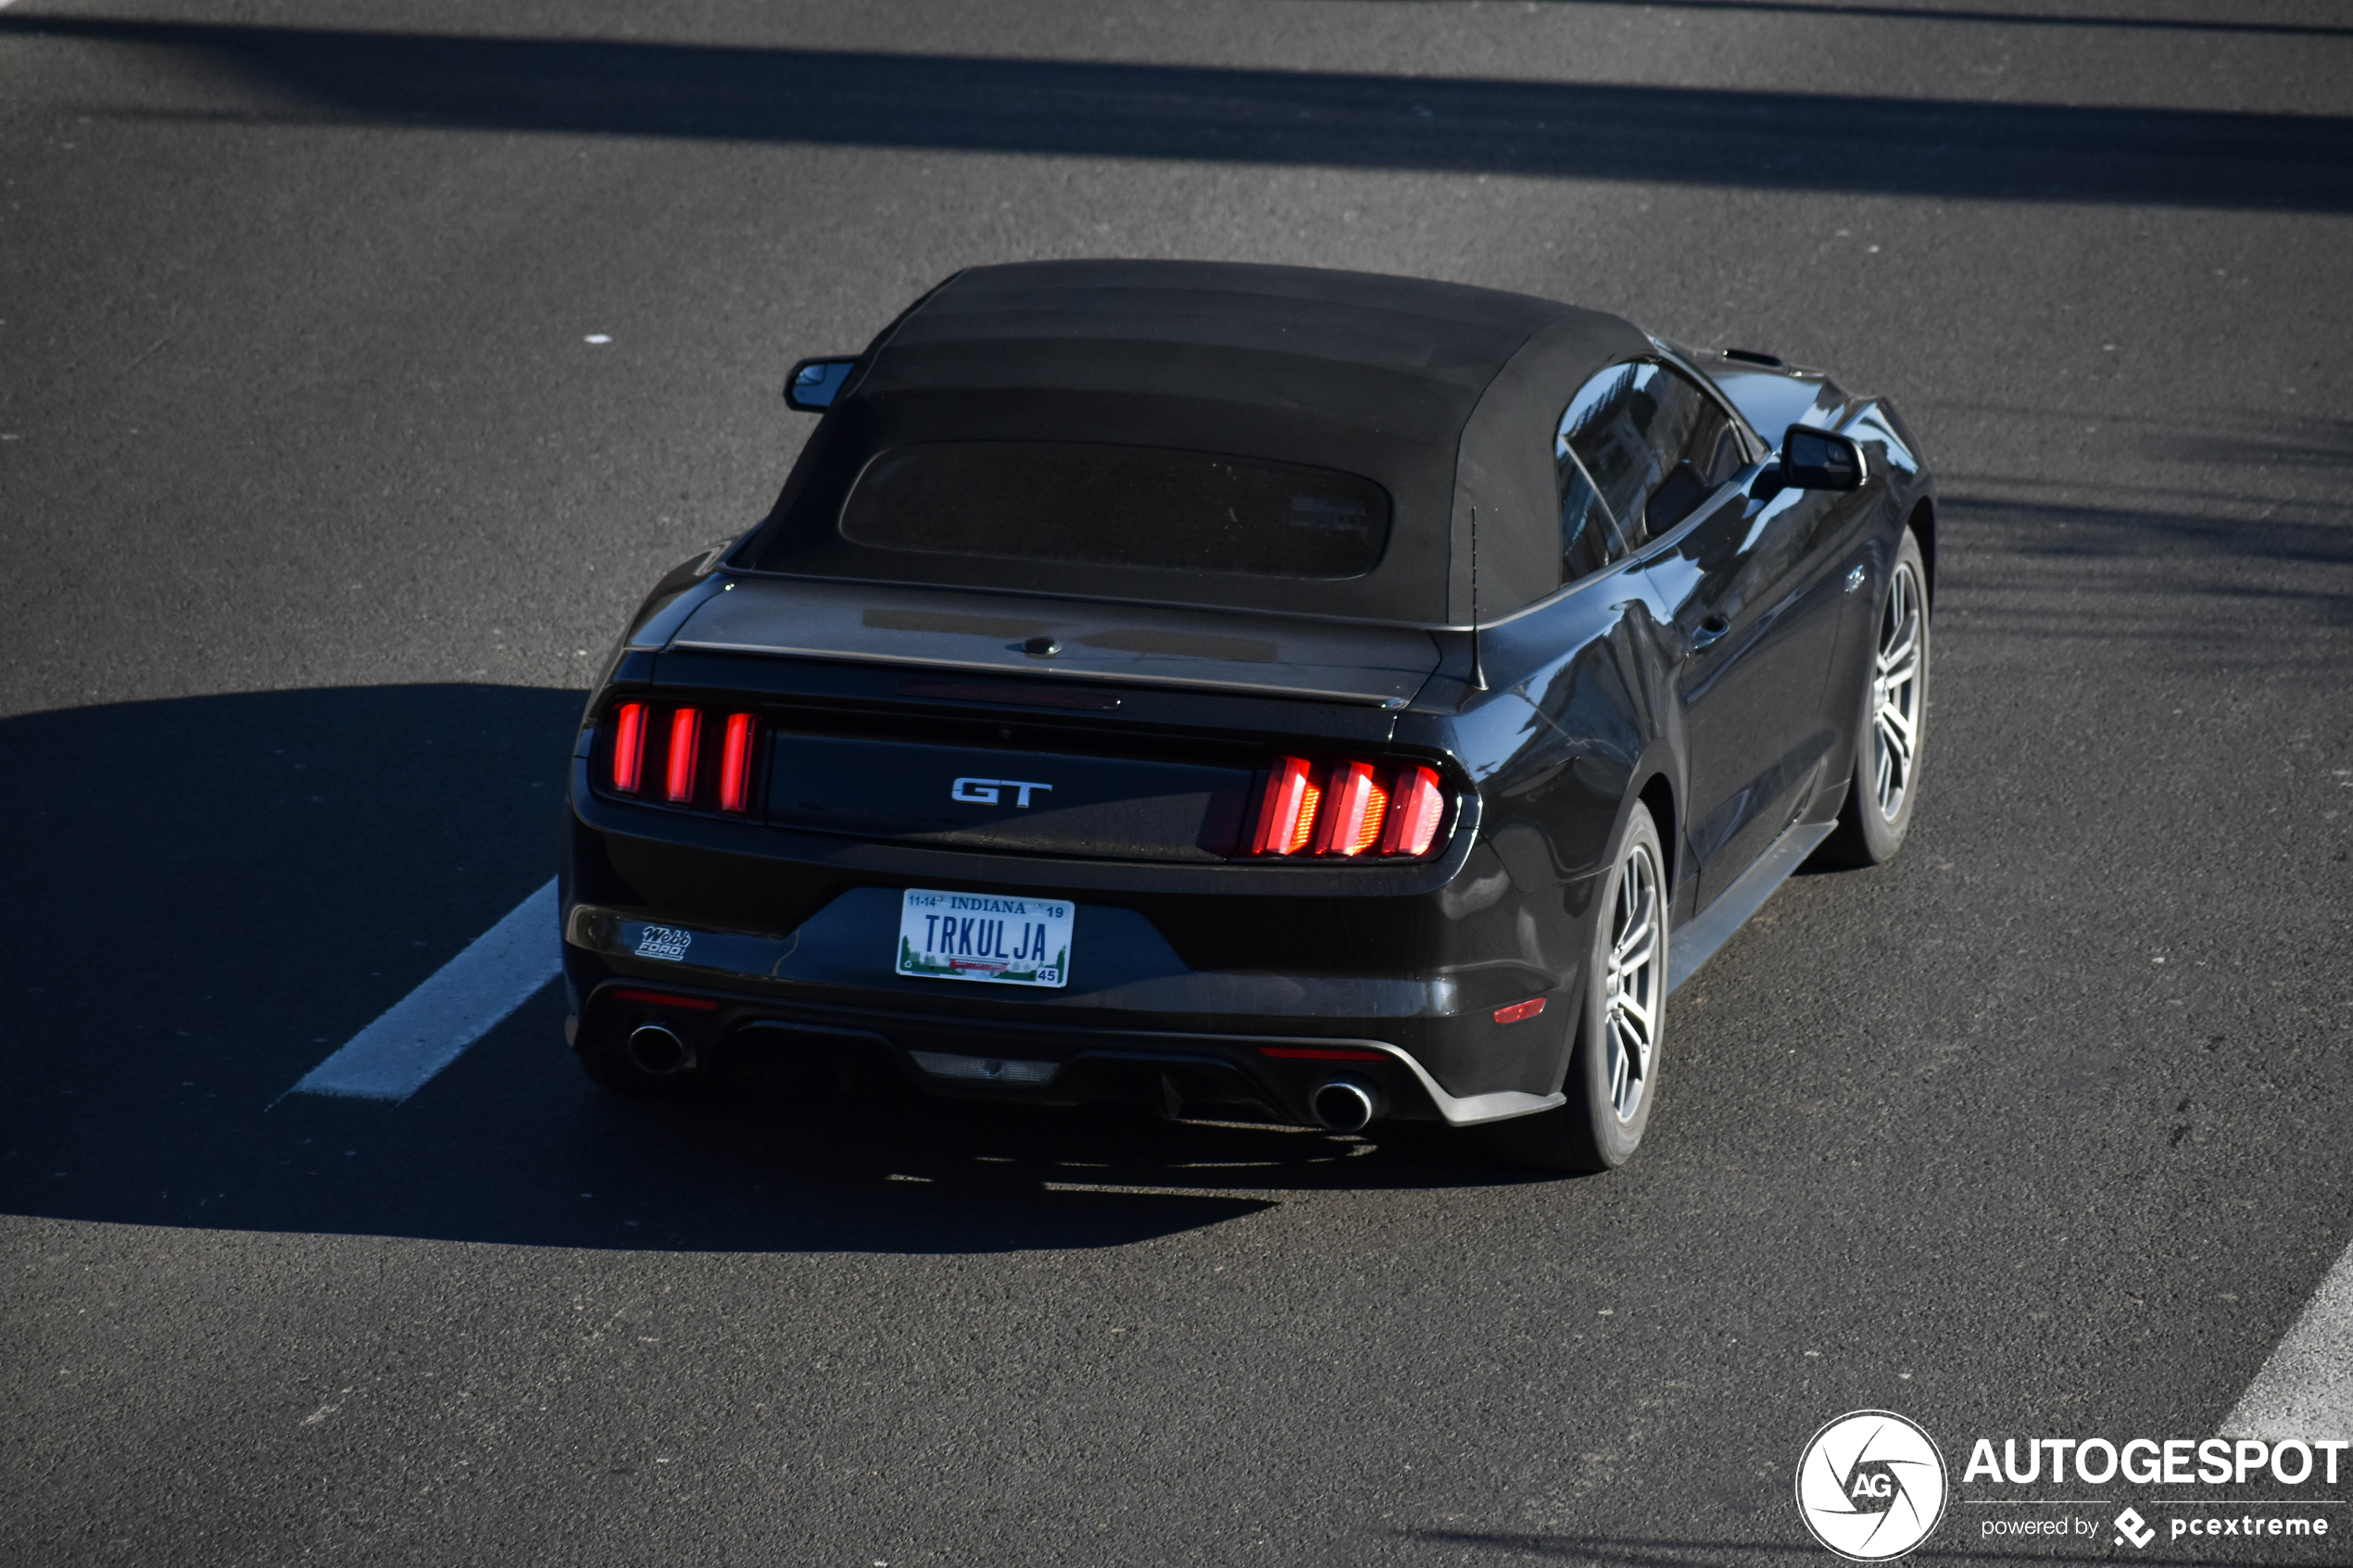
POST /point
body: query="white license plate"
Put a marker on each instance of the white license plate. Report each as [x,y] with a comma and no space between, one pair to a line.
[983,936]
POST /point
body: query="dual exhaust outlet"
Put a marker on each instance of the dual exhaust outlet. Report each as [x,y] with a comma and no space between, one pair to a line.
[1346,1105]
[657,1052]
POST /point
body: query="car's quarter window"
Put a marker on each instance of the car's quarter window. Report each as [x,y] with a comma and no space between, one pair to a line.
[1711,453]
[1084,503]
[1588,535]
[1717,447]
[1640,444]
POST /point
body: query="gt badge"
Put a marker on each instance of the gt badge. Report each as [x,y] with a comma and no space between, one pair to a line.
[983,792]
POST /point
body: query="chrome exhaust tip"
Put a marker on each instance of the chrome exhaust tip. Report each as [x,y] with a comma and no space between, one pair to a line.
[1346,1105]
[659,1053]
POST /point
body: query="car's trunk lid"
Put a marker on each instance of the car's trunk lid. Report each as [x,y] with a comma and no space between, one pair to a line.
[1091,641]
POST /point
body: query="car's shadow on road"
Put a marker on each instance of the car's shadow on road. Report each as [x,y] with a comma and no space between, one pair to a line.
[212,893]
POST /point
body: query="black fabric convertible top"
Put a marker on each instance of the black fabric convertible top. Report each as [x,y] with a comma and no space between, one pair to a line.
[1444,396]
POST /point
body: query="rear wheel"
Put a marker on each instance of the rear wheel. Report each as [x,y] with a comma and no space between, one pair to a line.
[1613,1071]
[1891,726]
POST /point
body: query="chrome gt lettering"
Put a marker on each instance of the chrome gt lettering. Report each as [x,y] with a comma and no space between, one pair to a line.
[984,792]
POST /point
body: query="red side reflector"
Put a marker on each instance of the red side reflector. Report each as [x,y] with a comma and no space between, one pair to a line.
[628,745]
[686,738]
[665,1000]
[1318,1053]
[1518,1011]
[1287,815]
[1416,808]
[1354,805]
[735,765]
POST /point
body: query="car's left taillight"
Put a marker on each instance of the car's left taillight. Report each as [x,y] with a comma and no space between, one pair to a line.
[671,753]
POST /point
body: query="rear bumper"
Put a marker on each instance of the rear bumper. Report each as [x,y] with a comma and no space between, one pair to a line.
[1149,1031]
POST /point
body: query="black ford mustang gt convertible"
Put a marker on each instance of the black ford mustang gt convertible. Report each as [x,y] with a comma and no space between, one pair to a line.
[1265,691]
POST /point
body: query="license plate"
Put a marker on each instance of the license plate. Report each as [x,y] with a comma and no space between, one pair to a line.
[983,936]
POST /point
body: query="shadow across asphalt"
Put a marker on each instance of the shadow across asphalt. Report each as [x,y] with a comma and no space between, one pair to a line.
[214,893]
[2221,542]
[1837,10]
[1685,135]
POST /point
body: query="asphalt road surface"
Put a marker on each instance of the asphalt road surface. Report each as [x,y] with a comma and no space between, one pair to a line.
[360,364]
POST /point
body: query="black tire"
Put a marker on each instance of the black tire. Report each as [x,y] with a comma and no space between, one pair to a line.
[1868,832]
[1611,1087]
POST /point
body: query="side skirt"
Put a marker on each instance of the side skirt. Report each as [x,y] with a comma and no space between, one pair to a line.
[1694,944]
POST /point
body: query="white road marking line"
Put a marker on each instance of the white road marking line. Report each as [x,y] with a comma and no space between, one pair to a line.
[2305,1389]
[432,1026]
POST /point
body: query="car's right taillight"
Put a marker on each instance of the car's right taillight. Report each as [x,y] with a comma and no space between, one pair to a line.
[1348,810]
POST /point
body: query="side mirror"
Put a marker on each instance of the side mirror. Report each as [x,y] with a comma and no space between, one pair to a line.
[814,384]
[1816,459]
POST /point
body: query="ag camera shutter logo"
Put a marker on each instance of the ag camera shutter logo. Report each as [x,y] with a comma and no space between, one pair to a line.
[1870,1485]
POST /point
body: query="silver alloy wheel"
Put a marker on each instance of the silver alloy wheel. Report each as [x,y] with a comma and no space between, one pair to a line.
[1635,981]
[1895,693]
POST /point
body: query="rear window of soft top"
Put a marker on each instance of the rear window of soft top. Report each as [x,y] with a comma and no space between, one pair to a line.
[1093,504]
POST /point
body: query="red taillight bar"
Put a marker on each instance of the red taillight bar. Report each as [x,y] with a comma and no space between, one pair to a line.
[1355,803]
[628,745]
[735,765]
[686,739]
[1518,1011]
[1417,809]
[1287,816]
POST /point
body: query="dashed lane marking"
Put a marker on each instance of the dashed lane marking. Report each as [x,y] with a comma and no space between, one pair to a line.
[432,1026]
[2305,1389]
